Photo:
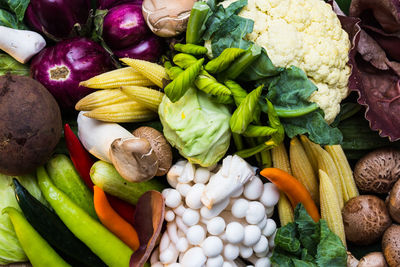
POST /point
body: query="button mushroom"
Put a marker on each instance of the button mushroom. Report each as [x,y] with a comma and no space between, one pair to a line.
[394,202]
[377,171]
[391,245]
[373,259]
[365,219]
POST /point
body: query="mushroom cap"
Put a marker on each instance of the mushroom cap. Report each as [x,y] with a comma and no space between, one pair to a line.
[378,170]
[365,219]
[391,245]
[160,146]
[373,259]
[134,158]
[167,18]
[351,260]
[394,202]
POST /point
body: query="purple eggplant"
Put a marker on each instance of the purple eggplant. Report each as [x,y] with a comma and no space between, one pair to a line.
[148,49]
[124,26]
[107,4]
[62,67]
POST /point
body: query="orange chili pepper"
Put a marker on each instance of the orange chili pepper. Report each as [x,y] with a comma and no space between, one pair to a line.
[113,221]
[295,191]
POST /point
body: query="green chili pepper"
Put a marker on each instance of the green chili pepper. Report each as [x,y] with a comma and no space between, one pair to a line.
[208,84]
[196,24]
[178,87]
[192,49]
[223,61]
[110,249]
[39,252]
[184,60]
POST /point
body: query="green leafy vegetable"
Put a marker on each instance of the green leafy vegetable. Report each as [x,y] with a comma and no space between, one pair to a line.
[196,24]
[256,131]
[178,87]
[10,65]
[223,61]
[222,99]
[274,122]
[208,84]
[16,6]
[306,243]
[246,153]
[191,49]
[184,60]
[9,20]
[173,72]
[260,69]
[238,92]
[243,115]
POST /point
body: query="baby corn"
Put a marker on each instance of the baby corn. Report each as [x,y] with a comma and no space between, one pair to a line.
[310,155]
[330,209]
[349,186]
[152,71]
[130,111]
[302,169]
[116,78]
[149,98]
[102,98]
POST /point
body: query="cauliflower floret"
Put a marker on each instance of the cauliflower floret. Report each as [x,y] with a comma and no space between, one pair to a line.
[308,35]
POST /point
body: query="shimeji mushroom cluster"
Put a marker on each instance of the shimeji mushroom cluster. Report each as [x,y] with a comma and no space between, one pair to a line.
[216,215]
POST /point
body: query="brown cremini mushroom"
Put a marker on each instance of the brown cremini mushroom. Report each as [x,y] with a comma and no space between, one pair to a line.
[167,18]
[365,219]
[394,202]
[391,245]
[377,171]
[373,259]
[161,147]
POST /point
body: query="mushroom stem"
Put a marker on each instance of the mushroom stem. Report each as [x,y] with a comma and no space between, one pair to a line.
[20,44]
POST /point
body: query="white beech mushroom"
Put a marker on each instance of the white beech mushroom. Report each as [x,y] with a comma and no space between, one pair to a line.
[20,44]
[373,259]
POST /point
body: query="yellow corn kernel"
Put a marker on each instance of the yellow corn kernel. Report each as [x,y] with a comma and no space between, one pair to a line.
[130,111]
[102,98]
[149,98]
[310,155]
[348,184]
[116,78]
[302,169]
[280,160]
[330,209]
[326,163]
[150,70]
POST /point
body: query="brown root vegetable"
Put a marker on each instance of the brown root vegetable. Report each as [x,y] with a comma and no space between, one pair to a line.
[391,245]
[160,146]
[365,219]
[30,124]
[377,171]
[373,259]
[167,18]
[394,202]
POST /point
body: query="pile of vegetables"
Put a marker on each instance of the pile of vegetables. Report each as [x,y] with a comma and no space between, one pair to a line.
[199,133]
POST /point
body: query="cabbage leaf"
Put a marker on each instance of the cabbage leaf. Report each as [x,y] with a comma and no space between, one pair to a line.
[10,65]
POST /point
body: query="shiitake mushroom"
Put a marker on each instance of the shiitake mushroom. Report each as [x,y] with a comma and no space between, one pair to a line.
[391,245]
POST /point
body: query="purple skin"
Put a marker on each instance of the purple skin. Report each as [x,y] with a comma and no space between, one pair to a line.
[56,18]
[124,26]
[62,67]
[148,49]
[107,4]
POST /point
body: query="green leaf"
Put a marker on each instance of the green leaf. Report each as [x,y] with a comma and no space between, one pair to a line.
[191,49]
[260,69]
[173,72]
[238,92]
[257,131]
[243,115]
[221,99]
[223,61]
[208,84]
[246,153]
[274,122]
[16,6]
[309,231]
[178,87]
[286,239]
[10,65]
[9,20]
[184,60]
[331,251]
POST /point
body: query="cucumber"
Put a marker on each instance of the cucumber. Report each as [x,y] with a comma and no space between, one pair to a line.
[105,176]
[53,230]
[63,174]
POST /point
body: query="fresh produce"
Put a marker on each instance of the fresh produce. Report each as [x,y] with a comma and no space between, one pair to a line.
[62,67]
[167,18]
[204,134]
[10,248]
[390,245]
[53,230]
[357,228]
[64,176]
[21,44]
[304,242]
[36,248]
[30,142]
[150,98]
[377,62]
[239,224]
[148,49]
[378,170]
[110,219]
[60,19]
[197,19]
[8,65]
[103,243]
[393,202]
[294,190]
[373,259]
[105,176]
[107,4]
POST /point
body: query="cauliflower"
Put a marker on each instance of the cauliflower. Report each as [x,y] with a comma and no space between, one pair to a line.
[308,35]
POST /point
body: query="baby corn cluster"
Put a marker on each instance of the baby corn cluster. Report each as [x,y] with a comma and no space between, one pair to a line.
[129,94]
[324,172]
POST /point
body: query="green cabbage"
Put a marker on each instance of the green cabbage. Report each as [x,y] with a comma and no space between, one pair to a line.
[10,248]
[197,127]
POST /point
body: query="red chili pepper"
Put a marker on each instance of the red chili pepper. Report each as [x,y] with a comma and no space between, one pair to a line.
[83,162]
